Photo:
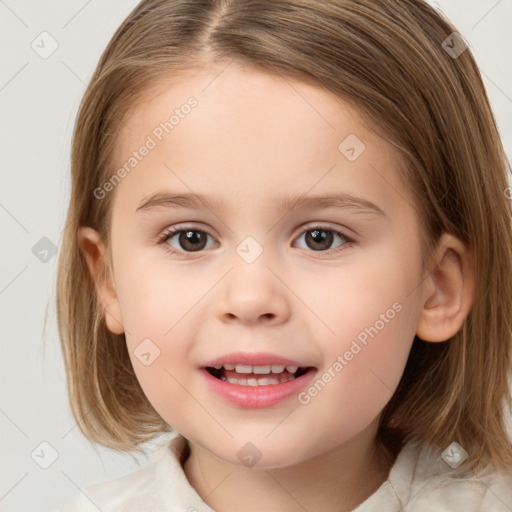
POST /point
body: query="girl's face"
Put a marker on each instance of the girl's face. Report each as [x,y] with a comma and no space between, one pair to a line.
[332,285]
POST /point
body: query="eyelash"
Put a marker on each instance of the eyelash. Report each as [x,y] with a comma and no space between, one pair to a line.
[167,235]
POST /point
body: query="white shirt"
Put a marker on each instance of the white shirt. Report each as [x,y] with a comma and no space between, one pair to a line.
[419,481]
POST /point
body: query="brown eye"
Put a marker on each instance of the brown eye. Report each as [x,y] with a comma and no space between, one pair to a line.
[186,240]
[320,238]
[192,240]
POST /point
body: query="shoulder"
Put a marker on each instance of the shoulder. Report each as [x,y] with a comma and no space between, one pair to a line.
[119,494]
[137,491]
[423,480]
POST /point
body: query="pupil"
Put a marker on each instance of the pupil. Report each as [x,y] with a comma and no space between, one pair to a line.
[322,237]
[189,240]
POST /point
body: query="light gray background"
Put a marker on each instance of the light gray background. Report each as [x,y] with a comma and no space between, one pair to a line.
[39,100]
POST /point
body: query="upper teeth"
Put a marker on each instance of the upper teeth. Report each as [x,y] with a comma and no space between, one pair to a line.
[247,368]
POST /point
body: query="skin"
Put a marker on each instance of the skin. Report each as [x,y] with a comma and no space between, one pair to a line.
[254,139]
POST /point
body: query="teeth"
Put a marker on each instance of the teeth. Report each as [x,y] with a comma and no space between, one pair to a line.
[261,370]
[243,368]
[249,374]
[260,381]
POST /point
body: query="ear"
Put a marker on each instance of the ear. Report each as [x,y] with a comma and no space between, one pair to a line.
[94,250]
[448,291]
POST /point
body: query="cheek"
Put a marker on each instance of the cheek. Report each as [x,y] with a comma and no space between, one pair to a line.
[375,288]
[155,306]
[157,295]
[368,321]
[362,368]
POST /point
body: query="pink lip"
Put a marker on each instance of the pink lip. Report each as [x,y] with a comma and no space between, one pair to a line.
[259,359]
[257,397]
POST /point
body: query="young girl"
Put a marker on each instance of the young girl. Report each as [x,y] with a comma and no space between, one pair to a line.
[289,245]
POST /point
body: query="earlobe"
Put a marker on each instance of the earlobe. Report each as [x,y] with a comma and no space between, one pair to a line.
[95,253]
[448,291]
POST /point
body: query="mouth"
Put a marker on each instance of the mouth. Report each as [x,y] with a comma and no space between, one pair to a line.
[257,375]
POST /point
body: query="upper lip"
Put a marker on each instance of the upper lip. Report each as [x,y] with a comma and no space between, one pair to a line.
[254,359]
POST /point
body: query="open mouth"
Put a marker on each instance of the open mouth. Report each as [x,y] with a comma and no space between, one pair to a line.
[252,375]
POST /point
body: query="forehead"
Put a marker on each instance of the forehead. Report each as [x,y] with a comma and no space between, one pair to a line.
[256,104]
[251,134]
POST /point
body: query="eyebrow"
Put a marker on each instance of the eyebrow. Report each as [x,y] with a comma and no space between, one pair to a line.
[161,200]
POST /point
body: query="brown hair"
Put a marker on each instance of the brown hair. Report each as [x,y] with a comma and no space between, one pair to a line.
[385,57]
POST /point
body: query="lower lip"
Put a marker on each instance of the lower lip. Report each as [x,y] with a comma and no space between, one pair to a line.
[257,397]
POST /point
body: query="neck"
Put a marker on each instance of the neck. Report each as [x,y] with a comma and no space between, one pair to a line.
[336,481]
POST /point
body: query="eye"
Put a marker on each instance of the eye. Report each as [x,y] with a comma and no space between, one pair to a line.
[189,240]
[320,238]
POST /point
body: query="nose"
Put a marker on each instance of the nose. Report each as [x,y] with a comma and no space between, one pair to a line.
[253,294]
